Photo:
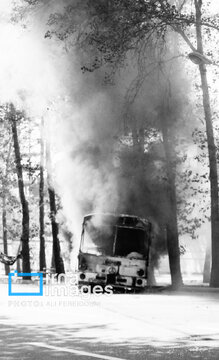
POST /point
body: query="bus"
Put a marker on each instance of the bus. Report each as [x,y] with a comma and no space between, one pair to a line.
[114,250]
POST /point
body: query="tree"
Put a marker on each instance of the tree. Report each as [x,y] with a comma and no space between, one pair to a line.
[171,223]
[4,194]
[41,201]
[14,116]
[212,152]
[143,188]
[110,30]
[56,252]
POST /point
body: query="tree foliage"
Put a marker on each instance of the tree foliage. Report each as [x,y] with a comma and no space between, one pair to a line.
[109,29]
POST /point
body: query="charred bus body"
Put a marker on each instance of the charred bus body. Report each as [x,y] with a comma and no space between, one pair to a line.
[114,251]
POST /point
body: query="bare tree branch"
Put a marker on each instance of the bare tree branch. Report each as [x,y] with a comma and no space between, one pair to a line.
[185,37]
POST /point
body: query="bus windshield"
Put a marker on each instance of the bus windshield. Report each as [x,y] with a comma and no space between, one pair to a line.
[98,240]
[111,240]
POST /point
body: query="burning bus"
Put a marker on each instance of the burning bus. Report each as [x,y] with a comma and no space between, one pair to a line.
[114,251]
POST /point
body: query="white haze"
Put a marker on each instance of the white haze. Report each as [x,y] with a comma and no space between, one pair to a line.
[39,76]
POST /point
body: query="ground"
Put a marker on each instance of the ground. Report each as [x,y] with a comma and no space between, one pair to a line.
[160,325]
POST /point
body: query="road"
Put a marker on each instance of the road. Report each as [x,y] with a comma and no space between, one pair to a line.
[164,325]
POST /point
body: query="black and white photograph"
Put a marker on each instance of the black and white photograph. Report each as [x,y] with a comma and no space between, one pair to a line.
[109,179]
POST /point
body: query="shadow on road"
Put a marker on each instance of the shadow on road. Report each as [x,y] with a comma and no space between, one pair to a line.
[15,344]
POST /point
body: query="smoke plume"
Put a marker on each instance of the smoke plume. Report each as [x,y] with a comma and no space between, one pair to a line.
[83,120]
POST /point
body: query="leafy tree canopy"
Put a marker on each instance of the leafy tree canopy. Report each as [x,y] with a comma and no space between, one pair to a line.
[110,28]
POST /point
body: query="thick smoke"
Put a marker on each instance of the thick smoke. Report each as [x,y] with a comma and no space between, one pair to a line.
[84,167]
[83,120]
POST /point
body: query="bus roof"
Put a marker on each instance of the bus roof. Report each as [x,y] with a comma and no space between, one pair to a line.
[120,219]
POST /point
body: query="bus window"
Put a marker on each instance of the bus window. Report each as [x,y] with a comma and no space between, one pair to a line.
[98,240]
[130,241]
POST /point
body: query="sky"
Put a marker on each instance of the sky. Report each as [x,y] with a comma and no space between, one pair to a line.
[214,6]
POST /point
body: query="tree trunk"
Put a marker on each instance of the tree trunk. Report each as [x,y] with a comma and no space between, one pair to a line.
[59,265]
[41,203]
[24,203]
[212,154]
[207,265]
[56,254]
[171,221]
[151,280]
[5,231]
[4,209]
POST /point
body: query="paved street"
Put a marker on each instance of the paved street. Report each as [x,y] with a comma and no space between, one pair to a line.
[147,326]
